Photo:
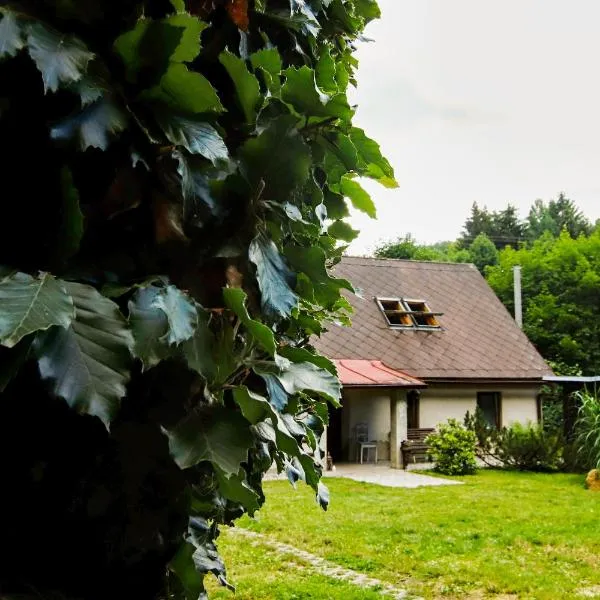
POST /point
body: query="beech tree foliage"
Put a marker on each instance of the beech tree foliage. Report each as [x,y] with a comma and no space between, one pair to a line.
[175,179]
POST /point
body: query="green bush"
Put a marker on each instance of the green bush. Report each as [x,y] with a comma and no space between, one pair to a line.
[452,449]
[487,438]
[525,447]
[530,448]
[587,431]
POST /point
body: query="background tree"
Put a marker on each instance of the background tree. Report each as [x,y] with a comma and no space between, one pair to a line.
[502,227]
[483,252]
[174,188]
[554,217]
[408,248]
[561,298]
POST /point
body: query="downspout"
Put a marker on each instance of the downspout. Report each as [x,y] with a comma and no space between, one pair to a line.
[517,292]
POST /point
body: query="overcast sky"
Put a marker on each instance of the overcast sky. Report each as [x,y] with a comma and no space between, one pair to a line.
[479,100]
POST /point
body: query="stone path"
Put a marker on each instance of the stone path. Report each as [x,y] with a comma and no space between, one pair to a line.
[323,567]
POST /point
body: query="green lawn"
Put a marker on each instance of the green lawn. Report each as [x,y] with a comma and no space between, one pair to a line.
[502,533]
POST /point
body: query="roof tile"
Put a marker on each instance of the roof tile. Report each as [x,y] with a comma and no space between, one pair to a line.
[478,339]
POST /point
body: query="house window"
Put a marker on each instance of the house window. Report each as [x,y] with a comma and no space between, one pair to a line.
[394,312]
[490,405]
[421,313]
[412,409]
[400,312]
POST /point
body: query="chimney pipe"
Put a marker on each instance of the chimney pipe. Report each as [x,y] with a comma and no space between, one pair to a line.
[517,292]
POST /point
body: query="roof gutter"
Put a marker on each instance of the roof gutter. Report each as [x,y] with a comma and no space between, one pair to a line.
[485,380]
[368,386]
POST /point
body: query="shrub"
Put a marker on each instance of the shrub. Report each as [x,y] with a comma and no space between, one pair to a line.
[452,449]
[526,447]
[487,438]
[530,448]
[587,430]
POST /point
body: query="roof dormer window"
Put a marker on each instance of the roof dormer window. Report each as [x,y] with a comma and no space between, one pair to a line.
[408,313]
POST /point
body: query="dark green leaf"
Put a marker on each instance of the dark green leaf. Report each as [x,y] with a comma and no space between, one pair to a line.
[12,359]
[312,25]
[335,205]
[246,85]
[311,261]
[90,90]
[358,196]
[220,436]
[180,311]
[93,125]
[278,396]
[206,557]
[254,407]
[340,158]
[185,91]
[325,72]
[128,45]
[183,566]
[71,227]
[149,326]
[235,300]
[312,471]
[237,489]
[198,349]
[267,421]
[367,9]
[306,376]
[342,231]
[196,137]
[118,289]
[323,495]
[269,62]
[11,34]
[88,363]
[152,45]
[192,27]
[277,159]
[274,277]
[29,304]
[60,59]
[304,355]
[199,203]
[374,163]
[301,91]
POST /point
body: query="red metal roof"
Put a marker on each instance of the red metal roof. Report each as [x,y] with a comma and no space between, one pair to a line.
[373,373]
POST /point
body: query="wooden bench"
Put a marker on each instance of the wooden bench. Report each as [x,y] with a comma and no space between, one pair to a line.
[414,449]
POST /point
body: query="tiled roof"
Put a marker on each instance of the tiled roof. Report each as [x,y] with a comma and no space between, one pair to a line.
[373,372]
[478,337]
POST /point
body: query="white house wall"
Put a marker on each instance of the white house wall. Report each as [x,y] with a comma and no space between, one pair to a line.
[519,406]
[439,403]
[366,406]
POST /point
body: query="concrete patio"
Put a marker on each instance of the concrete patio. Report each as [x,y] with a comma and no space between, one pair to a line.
[381,474]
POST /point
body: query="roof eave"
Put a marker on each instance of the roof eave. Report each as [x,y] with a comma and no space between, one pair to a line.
[484,380]
[406,386]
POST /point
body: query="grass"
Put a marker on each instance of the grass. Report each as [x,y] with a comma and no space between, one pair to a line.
[501,534]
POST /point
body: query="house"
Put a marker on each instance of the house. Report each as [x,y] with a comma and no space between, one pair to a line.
[428,341]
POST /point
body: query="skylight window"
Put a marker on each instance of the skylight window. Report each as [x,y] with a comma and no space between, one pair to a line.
[405,313]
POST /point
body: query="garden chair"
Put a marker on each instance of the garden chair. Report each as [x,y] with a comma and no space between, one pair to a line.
[363,443]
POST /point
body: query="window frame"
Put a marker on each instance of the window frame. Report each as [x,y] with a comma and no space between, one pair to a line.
[497,406]
[413,409]
[407,317]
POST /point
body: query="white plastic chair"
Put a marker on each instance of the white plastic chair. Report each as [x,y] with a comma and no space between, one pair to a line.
[363,443]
